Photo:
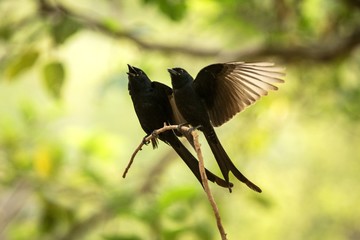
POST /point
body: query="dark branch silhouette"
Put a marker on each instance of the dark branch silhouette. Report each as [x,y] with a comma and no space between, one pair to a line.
[322,51]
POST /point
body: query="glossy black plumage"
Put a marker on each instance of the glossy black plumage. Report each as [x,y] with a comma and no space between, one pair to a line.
[152,104]
[218,92]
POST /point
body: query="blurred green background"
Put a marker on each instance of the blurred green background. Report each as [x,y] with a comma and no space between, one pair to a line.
[68,128]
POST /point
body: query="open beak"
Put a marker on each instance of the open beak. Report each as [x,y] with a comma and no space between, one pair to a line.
[132,70]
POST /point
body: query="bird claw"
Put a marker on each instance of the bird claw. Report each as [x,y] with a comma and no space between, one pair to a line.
[145,142]
[154,134]
[190,130]
[180,126]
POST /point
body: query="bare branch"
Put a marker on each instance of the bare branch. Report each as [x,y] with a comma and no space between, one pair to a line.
[206,185]
[139,148]
[152,136]
[201,168]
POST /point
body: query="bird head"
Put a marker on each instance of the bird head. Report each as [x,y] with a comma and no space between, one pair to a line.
[134,71]
[179,77]
[137,78]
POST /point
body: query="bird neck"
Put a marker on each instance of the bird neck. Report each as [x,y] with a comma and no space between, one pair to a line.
[181,81]
[139,86]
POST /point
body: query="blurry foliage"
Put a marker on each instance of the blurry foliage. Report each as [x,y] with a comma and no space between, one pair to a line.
[173,9]
[62,28]
[63,146]
[54,75]
[21,63]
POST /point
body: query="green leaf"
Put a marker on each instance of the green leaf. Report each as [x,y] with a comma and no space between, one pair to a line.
[54,76]
[21,63]
[175,10]
[63,29]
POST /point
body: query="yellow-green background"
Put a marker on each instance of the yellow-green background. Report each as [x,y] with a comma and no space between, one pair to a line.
[68,128]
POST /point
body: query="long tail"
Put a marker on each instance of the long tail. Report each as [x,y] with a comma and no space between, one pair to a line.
[223,160]
[193,164]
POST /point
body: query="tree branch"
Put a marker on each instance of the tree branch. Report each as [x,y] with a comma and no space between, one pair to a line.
[147,139]
[206,185]
[204,179]
[318,52]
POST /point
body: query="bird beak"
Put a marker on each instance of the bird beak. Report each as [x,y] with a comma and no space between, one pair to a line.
[172,71]
[132,70]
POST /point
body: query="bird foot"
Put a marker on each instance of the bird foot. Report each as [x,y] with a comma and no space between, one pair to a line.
[180,126]
[193,129]
[145,142]
[154,134]
[152,140]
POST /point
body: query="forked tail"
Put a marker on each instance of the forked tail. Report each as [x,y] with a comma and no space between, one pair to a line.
[193,164]
[224,162]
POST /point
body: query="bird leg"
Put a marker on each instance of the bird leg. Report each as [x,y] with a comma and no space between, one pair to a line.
[190,130]
[144,141]
[153,140]
[181,125]
[154,134]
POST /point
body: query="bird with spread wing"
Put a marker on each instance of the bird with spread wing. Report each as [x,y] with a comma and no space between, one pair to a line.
[219,92]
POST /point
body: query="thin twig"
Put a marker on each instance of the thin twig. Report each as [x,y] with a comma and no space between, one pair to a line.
[133,157]
[147,139]
[206,185]
[201,168]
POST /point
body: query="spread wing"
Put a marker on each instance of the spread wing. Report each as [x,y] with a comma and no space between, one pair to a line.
[228,88]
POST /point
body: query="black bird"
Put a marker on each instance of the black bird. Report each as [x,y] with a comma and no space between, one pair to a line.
[218,92]
[152,103]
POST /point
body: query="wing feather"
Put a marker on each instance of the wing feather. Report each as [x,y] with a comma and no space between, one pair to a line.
[228,88]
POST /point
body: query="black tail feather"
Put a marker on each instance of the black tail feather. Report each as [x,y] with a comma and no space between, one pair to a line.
[224,162]
[193,164]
